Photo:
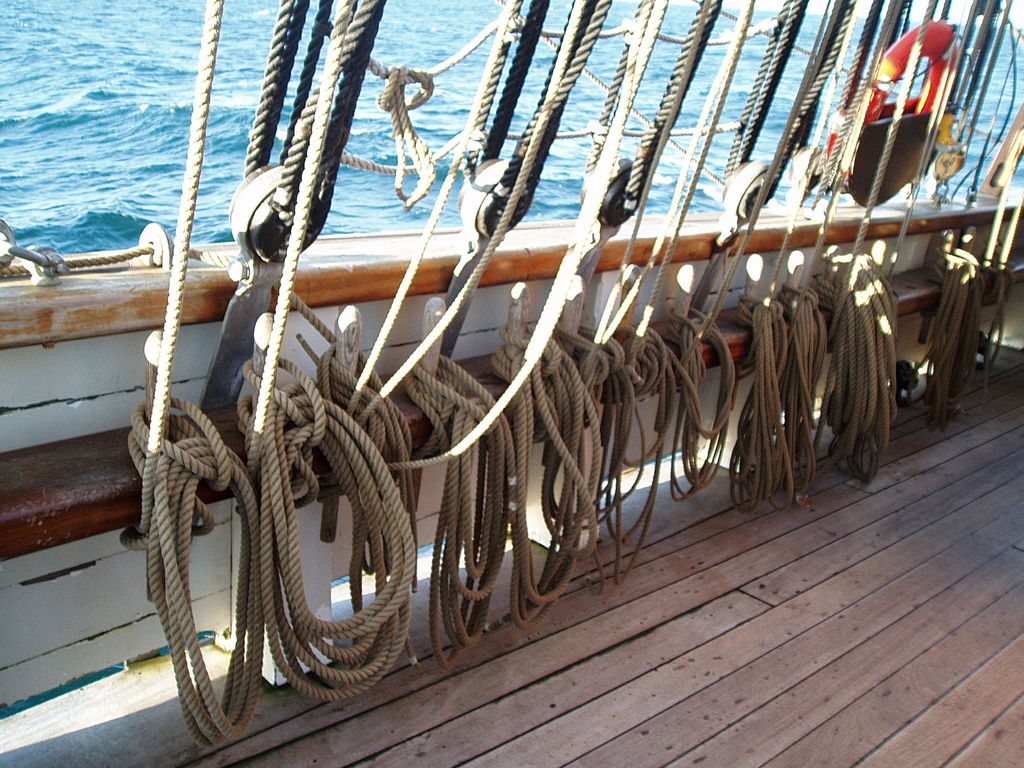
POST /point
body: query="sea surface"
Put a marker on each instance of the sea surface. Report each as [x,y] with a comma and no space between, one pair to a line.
[95,102]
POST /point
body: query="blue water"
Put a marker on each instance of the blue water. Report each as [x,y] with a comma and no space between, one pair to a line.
[95,98]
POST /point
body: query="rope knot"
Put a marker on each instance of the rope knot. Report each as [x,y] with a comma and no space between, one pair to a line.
[394,101]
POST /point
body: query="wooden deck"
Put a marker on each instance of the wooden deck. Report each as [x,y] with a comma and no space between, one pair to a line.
[880,626]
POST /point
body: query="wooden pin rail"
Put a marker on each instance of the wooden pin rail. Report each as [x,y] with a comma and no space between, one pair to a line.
[68,490]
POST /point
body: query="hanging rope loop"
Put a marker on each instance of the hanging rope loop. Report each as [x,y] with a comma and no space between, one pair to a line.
[408,144]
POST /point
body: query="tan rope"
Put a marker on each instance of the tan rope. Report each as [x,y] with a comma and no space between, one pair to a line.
[407,142]
[556,409]
[90,261]
[472,526]
[805,360]
[760,468]
[172,454]
[171,515]
[953,336]
[321,657]
[692,430]
[860,388]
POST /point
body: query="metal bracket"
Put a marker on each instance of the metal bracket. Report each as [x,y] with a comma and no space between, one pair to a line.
[45,264]
[256,280]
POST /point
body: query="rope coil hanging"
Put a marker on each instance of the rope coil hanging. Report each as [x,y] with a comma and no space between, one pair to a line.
[694,435]
[556,409]
[321,657]
[473,520]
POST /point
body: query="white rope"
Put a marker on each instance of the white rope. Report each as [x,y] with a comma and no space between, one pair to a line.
[464,139]
[186,218]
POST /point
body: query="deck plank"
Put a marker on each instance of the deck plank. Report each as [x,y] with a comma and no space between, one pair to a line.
[998,746]
[962,587]
[849,735]
[873,589]
[814,567]
[773,727]
[944,729]
[543,661]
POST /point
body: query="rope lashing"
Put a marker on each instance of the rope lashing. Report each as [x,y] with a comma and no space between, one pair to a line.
[953,335]
[859,402]
[472,525]
[556,409]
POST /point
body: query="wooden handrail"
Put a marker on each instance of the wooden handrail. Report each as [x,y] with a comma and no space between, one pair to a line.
[123,300]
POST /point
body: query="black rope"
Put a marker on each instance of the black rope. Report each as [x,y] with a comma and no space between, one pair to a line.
[581,44]
[321,30]
[803,114]
[755,111]
[690,54]
[357,46]
[283,45]
[529,36]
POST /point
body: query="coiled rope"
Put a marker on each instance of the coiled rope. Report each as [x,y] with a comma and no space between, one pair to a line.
[473,520]
[859,403]
[321,657]
[694,436]
[760,468]
[953,336]
[172,453]
[556,409]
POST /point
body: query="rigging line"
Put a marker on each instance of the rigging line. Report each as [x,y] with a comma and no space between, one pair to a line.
[990,139]
[652,148]
[945,87]
[476,118]
[846,145]
[303,205]
[1003,23]
[280,60]
[832,40]
[762,93]
[560,288]
[983,45]
[320,32]
[587,73]
[562,64]
[529,35]
[186,218]
[690,170]
[383,71]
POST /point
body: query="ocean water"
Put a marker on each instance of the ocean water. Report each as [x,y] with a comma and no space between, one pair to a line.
[95,99]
